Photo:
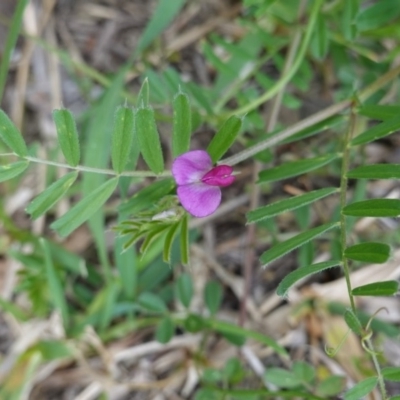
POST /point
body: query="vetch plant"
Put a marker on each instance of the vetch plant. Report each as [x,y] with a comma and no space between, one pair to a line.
[199,182]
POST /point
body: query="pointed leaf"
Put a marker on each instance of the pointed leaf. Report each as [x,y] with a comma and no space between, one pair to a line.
[376,171]
[11,136]
[391,374]
[373,208]
[184,240]
[353,322]
[300,273]
[368,252]
[51,195]
[224,138]
[361,389]
[184,289]
[320,40]
[147,196]
[122,138]
[144,94]
[83,210]
[378,131]
[149,139]
[385,288]
[165,330]
[168,242]
[283,248]
[294,168]
[182,125]
[377,15]
[67,135]
[12,170]
[292,203]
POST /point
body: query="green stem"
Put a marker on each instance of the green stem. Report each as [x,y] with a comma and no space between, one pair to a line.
[381,381]
[280,84]
[343,240]
[343,192]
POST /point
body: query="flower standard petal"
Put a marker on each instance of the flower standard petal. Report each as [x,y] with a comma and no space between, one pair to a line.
[190,167]
[219,176]
[199,199]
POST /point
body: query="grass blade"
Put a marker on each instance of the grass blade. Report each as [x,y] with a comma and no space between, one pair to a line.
[10,42]
[55,286]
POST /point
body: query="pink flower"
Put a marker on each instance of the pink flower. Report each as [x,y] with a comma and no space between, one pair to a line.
[199,182]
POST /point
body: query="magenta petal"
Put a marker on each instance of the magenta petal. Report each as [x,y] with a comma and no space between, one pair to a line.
[219,176]
[191,166]
[199,199]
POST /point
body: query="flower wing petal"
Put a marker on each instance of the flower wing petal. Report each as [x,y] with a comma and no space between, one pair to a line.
[199,199]
[191,166]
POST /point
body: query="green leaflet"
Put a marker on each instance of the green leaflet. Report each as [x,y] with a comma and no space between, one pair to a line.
[11,136]
[182,122]
[300,273]
[294,168]
[378,131]
[373,208]
[51,195]
[391,374]
[385,288]
[149,139]
[283,248]
[122,138]
[375,171]
[361,389]
[67,136]
[83,210]
[224,138]
[368,252]
[12,170]
[292,203]
[213,296]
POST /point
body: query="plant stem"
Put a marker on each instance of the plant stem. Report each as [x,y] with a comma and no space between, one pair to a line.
[381,381]
[343,239]
[138,174]
[343,192]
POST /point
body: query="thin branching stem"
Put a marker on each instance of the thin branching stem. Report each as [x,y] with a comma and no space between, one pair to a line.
[343,240]
[343,200]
